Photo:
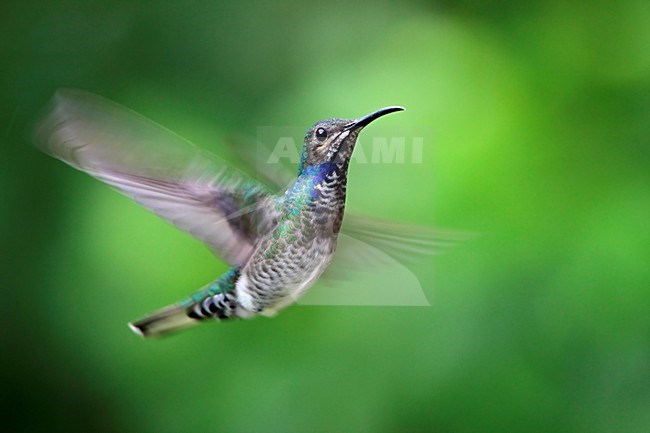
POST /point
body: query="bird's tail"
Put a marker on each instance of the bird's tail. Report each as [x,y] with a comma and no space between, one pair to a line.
[170,319]
[215,301]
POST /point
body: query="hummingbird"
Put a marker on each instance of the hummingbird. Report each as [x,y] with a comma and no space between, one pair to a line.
[278,244]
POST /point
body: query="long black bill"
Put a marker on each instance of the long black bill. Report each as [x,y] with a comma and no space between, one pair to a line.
[360,123]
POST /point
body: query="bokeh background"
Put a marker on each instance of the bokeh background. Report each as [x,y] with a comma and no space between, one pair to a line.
[536,120]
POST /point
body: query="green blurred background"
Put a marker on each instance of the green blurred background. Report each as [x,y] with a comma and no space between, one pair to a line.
[536,120]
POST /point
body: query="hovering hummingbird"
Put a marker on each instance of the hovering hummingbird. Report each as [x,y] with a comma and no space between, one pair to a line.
[278,244]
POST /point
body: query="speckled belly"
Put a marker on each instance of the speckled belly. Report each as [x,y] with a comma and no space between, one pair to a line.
[270,282]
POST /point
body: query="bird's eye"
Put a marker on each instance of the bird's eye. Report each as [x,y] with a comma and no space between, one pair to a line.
[321,134]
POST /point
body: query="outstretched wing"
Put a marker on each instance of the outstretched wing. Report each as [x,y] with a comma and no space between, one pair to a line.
[195,190]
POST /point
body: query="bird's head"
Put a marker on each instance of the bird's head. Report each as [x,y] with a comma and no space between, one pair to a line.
[333,140]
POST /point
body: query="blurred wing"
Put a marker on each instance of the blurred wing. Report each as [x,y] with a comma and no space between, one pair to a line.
[195,190]
[404,242]
[361,274]
[369,266]
[254,157]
